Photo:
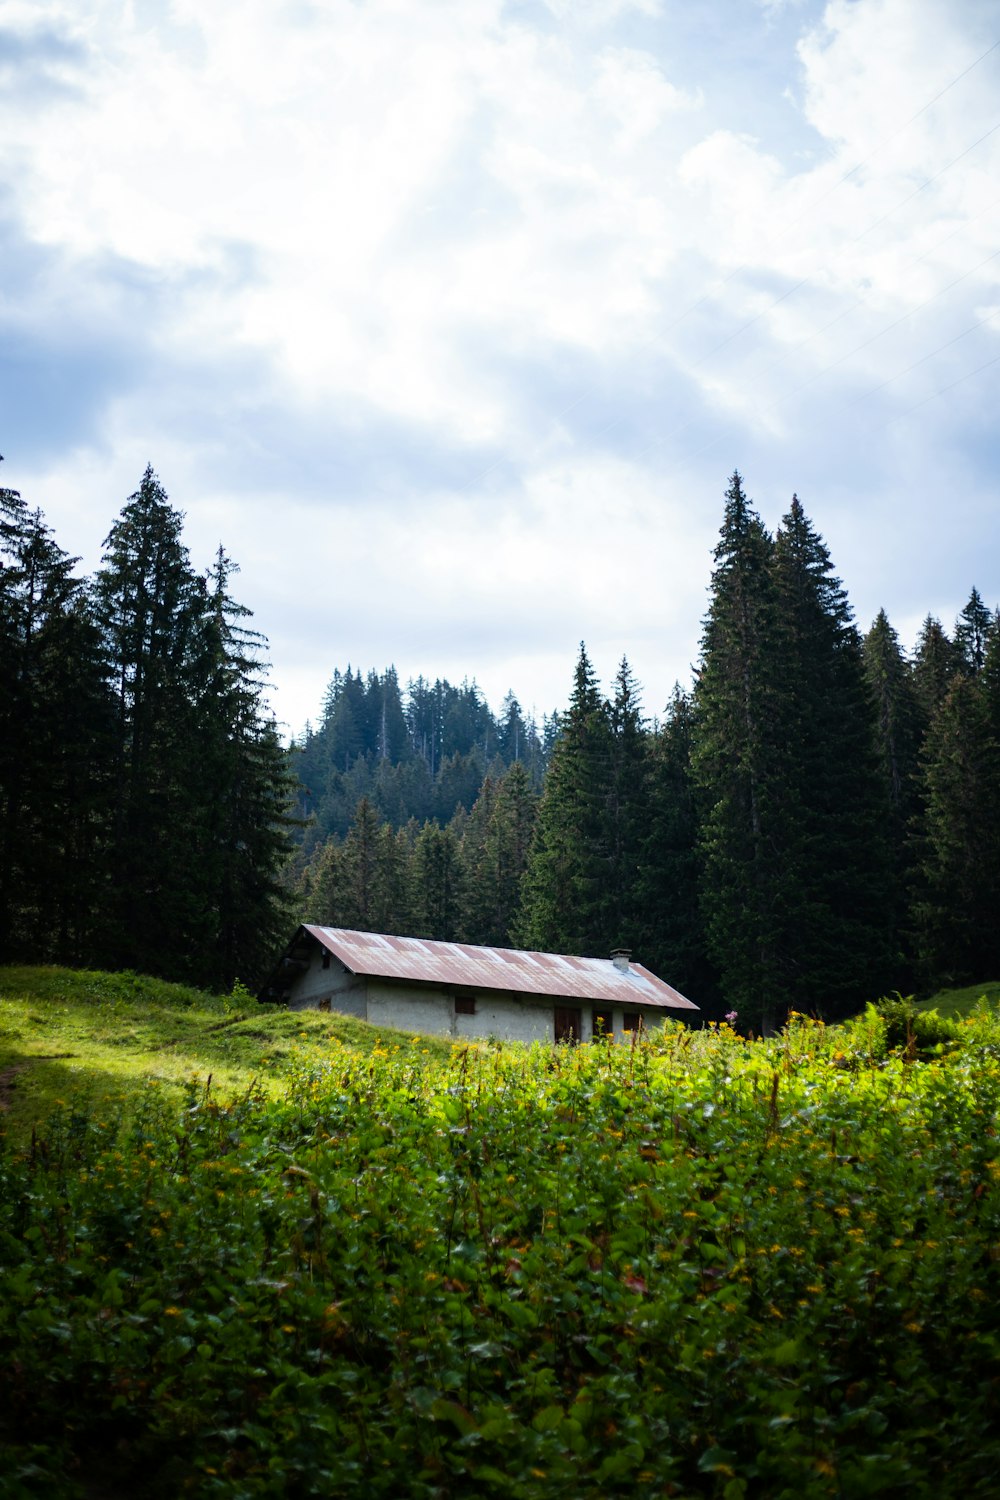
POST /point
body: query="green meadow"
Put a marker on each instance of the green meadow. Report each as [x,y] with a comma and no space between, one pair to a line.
[250,1253]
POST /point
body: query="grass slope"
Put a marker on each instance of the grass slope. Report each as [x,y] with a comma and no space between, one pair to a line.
[962,1002]
[82,1036]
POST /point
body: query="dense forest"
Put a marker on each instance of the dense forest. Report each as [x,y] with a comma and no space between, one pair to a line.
[144,791]
[816,822]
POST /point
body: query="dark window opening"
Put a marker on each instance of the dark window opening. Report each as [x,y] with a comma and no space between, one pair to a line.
[326,958]
[604,1025]
[567,1023]
[631,1021]
[465,1005]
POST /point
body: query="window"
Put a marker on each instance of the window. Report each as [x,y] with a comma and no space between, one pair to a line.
[326,958]
[604,1025]
[631,1021]
[465,1005]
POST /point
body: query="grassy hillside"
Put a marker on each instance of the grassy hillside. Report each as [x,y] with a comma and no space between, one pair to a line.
[699,1266]
[77,1035]
[962,1002]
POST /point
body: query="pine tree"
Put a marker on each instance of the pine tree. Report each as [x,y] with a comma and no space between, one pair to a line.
[242,825]
[201,784]
[476,882]
[394,881]
[512,731]
[495,849]
[897,719]
[838,947]
[626,810]
[935,662]
[671,937]
[437,884]
[793,889]
[54,746]
[748,889]
[318,890]
[359,870]
[564,895]
[957,908]
[972,633]
[148,600]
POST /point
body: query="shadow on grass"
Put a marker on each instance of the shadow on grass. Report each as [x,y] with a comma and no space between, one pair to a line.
[34,1089]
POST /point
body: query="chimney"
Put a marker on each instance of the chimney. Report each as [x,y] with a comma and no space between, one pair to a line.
[620,958]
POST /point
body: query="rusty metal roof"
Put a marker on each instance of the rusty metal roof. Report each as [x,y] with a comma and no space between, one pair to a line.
[558,975]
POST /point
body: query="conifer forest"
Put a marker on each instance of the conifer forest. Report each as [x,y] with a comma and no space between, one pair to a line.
[813,823]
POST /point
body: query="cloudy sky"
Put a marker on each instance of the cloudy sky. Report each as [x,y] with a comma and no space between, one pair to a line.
[451,318]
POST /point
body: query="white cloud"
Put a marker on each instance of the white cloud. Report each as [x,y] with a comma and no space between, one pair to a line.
[341,151]
[634,92]
[601,12]
[567,247]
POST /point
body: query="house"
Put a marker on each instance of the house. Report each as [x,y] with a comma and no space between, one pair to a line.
[453,989]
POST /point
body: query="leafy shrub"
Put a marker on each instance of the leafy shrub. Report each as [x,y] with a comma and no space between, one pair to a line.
[699,1266]
[911,1027]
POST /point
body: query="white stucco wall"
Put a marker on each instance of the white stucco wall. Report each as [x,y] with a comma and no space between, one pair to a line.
[514,1018]
[344,991]
[409,1007]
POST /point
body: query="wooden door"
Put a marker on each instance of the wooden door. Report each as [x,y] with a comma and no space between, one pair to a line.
[567,1023]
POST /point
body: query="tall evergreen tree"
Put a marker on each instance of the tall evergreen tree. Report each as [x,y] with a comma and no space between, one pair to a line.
[437,884]
[512,731]
[626,810]
[671,937]
[898,730]
[972,633]
[564,895]
[960,895]
[495,848]
[935,662]
[243,793]
[793,890]
[747,822]
[359,871]
[839,949]
[54,746]
[198,833]
[148,601]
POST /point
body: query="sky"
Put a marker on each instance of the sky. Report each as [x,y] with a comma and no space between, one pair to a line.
[450,319]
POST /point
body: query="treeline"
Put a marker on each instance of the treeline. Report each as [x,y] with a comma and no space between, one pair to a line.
[816,823]
[143,788]
[457,882]
[421,754]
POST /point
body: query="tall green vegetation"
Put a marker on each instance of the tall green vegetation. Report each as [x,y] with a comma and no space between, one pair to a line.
[813,826]
[816,823]
[144,790]
[700,1266]
[456,881]
[566,883]
[747,825]
[55,739]
[959,892]
[416,753]
[670,935]
[897,723]
[838,943]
